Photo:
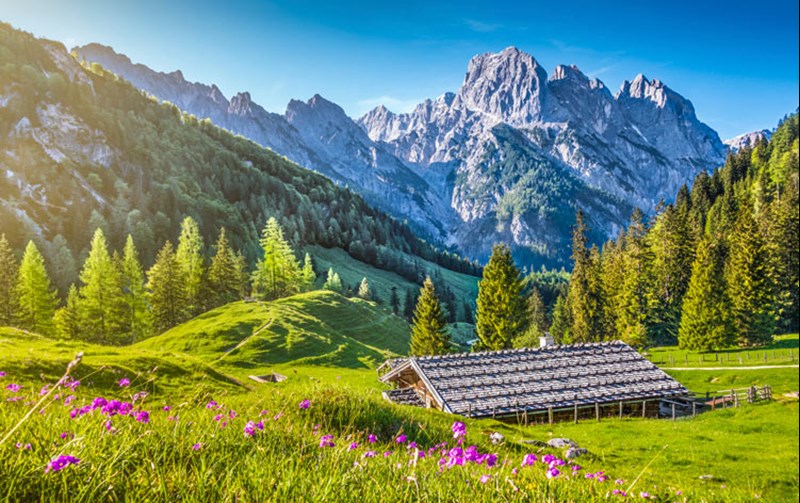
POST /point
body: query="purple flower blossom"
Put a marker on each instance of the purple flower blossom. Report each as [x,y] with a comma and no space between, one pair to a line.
[277,416]
[552,473]
[44,390]
[250,428]
[124,382]
[210,405]
[353,446]
[109,426]
[24,447]
[459,429]
[61,462]
[99,402]
[619,492]
[485,479]
[125,408]
[387,454]
[69,400]
[326,441]
[139,396]
[263,413]
[548,458]
[305,404]
[72,384]
[143,416]
[13,387]
[67,434]
[372,438]
[197,446]
[369,454]
[2,373]
[529,460]
[218,417]
[167,408]
[232,414]
[490,459]
[576,468]
[109,408]
[644,495]
[15,398]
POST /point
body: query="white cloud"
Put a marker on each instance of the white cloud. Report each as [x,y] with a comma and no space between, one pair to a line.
[481,26]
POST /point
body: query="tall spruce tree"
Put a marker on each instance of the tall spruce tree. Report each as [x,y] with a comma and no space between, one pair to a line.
[429,334]
[501,307]
[561,327]
[537,311]
[751,281]
[223,274]
[584,294]
[394,301]
[9,270]
[168,300]
[36,296]
[136,308]
[333,282]
[278,273]
[408,306]
[100,296]
[192,263]
[632,303]
[706,319]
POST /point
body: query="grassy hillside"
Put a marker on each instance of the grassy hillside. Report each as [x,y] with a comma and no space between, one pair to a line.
[38,359]
[464,286]
[315,328]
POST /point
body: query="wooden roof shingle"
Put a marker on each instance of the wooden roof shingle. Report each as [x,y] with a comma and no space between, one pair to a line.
[535,379]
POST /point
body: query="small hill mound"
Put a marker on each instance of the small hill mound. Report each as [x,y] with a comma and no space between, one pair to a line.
[314,328]
[37,358]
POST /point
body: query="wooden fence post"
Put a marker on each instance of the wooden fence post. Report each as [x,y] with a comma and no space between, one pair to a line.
[576,412]
[673,411]
[620,409]
[597,410]
[694,408]
[644,409]
[550,414]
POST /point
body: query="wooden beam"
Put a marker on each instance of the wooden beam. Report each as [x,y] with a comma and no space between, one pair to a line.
[597,410]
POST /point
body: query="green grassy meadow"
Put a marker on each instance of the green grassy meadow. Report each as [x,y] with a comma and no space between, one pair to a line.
[328,347]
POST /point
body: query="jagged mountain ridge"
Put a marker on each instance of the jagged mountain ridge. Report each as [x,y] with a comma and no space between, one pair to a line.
[316,134]
[747,139]
[510,156]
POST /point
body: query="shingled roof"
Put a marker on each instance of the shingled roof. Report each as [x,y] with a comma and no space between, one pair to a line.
[535,379]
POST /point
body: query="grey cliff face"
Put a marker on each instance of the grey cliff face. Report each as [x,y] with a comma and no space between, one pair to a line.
[511,155]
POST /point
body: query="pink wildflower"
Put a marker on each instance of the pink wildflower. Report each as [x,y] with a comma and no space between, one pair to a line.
[305,404]
[372,438]
[485,479]
[124,382]
[529,460]
[197,446]
[143,416]
[552,473]
[369,454]
[326,441]
[13,387]
[61,462]
[353,446]
[401,439]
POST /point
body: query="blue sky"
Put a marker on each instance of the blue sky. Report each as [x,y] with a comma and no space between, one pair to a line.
[736,61]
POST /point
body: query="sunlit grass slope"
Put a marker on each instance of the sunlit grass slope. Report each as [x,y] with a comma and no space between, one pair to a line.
[315,328]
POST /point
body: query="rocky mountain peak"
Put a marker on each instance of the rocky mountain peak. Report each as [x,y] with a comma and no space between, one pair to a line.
[241,104]
[509,85]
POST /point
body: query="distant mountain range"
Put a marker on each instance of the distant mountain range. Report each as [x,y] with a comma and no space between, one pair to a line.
[511,156]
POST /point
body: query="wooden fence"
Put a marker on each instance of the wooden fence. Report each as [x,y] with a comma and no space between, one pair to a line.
[739,357]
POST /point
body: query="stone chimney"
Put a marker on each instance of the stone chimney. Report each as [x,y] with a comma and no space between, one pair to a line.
[546,340]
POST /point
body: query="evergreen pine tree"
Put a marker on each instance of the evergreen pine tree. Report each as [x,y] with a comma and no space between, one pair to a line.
[135,305]
[408,306]
[501,307]
[278,273]
[632,302]
[584,294]
[394,301]
[364,290]
[36,297]
[307,275]
[537,312]
[750,279]
[223,275]
[429,334]
[8,279]
[190,258]
[706,319]
[68,318]
[562,320]
[99,295]
[468,318]
[168,300]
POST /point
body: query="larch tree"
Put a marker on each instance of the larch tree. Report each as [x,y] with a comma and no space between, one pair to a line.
[168,300]
[333,282]
[364,291]
[278,273]
[36,297]
[192,264]
[100,295]
[307,275]
[429,334]
[136,308]
[9,269]
[68,318]
[706,321]
[500,314]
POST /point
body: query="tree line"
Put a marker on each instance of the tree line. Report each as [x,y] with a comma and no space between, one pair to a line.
[716,268]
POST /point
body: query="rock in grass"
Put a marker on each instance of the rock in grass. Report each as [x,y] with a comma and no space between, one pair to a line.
[537,443]
[575,452]
[560,443]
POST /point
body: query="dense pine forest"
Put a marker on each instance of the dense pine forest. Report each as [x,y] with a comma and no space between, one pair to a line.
[86,150]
